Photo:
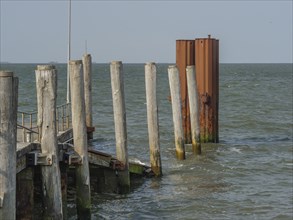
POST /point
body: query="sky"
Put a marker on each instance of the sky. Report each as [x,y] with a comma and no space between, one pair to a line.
[139,31]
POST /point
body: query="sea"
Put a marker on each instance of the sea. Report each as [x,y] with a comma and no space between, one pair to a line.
[247,175]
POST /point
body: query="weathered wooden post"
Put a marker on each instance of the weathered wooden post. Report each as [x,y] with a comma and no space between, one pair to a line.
[87,73]
[8,129]
[207,77]
[152,115]
[194,109]
[174,83]
[83,193]
[117,84]
[46,82]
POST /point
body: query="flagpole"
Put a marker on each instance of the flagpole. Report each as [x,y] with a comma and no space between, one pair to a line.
[69,52]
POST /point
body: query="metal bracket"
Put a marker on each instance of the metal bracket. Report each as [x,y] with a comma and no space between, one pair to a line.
[35,158]
[1,199]
[71,157]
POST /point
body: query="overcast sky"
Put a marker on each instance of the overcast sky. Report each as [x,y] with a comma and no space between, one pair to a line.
[142,31]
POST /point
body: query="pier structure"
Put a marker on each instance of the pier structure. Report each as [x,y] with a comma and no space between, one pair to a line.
[51,143]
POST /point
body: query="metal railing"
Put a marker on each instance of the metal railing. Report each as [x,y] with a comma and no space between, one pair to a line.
[27,129]
[63,117]
[27,123]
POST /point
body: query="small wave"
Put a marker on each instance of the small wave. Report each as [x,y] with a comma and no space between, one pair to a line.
[176,166]
[135,160]
[234,149]
[289,164]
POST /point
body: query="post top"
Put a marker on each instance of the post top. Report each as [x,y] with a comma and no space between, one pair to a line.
[6,73]
[190,67]
[172,67]
[86,55]
[75,62]
[150,63]
[116,62]
[46,67]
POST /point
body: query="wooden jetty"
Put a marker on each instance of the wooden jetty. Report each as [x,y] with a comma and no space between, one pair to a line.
[51,143]
[54,139]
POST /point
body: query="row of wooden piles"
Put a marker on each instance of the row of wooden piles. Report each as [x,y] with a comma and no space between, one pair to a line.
[194,113]
[51,175]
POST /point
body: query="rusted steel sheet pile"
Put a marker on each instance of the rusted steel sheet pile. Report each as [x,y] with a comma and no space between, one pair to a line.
[204,54]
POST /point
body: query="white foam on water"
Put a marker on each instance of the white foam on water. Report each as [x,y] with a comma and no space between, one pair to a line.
[234,149]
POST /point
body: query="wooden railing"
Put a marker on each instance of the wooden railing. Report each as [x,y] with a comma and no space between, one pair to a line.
[27,123]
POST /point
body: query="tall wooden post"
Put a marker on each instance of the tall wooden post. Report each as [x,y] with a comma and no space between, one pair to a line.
[117,84]
[207,76]
[152,115]
[185,57]
[194,109]
[46,82]
[83,194]
[174,82]
[87,72]
[8,129]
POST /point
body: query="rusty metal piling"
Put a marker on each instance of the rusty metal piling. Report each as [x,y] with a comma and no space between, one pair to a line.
[204,54]
[184,58]
[207,76]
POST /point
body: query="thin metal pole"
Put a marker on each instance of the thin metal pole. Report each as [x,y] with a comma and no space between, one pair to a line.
[69,52]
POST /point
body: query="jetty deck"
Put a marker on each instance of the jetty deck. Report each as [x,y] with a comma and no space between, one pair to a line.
[26,151]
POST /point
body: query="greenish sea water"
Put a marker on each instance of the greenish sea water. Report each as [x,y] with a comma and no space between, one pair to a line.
[248,175]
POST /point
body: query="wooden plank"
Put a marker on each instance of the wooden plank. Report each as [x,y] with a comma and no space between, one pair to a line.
[99,158]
